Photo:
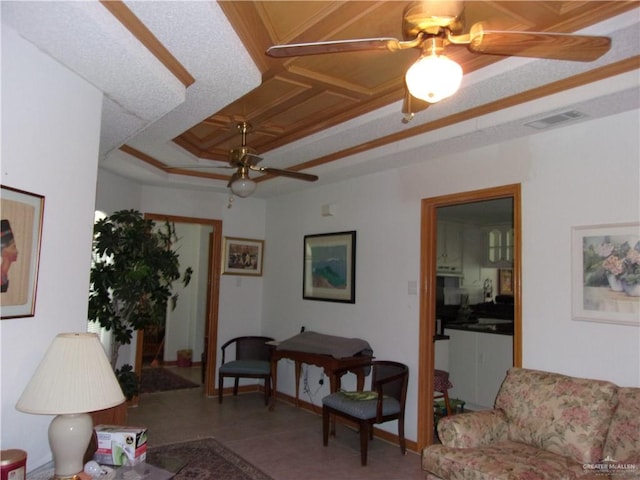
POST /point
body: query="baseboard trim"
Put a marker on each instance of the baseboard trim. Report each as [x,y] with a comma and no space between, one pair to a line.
[389,437]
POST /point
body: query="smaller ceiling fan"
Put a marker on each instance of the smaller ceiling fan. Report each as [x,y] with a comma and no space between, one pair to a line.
[433,25]
[244,159]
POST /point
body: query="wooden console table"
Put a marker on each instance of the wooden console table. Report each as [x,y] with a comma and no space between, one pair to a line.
[331,365]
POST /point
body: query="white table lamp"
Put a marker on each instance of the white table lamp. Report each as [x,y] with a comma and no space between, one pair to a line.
[73,378]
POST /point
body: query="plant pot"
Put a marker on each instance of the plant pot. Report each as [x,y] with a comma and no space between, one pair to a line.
[631,289]
[184,358]
[614,283]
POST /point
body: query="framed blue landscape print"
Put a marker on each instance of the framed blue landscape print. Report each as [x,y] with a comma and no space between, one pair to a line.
[330,267]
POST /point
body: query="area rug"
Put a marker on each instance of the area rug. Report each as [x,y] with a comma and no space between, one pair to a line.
[203,459]
[161,379]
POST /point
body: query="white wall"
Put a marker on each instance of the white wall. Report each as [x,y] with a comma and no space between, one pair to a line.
[582,174]
[201,282]
[114,193]
[50,138]
[588,174]
[182,321]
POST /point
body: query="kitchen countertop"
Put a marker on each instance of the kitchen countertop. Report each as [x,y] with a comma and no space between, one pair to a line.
[497,328]
[488,317]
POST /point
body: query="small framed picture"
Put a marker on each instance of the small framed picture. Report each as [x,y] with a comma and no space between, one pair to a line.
[505,282]
[21,237]
[606,273]
[242,256]
[329,272]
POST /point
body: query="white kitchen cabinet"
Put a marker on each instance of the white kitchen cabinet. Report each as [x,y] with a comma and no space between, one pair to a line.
[495,357]
[449,248]
[462,364]
[498,246]
[441,354]
[478,363]
[472,260]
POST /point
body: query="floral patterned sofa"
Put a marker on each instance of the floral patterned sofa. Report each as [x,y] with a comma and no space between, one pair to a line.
[544,426]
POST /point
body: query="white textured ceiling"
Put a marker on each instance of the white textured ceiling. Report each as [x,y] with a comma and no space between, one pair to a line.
[145,106]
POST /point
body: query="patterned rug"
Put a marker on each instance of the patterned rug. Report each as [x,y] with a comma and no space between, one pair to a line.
[204,459]
[160,379]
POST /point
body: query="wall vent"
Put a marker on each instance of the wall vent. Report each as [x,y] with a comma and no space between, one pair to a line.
[556,119]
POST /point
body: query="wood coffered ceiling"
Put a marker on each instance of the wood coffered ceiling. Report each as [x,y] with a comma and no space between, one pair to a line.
[304,95]
[324,110]
[177,77]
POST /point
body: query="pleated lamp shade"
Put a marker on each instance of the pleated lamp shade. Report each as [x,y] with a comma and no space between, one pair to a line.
[74,376]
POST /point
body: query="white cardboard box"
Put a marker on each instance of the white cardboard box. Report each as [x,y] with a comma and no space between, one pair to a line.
[142,471]
[120,445]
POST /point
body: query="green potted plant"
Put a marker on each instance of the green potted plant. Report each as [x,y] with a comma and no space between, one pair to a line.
[134,267]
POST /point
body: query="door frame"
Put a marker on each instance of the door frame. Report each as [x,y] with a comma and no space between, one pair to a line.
[214,263]
[428,240]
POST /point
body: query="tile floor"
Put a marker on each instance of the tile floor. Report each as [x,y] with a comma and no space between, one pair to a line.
[285,443]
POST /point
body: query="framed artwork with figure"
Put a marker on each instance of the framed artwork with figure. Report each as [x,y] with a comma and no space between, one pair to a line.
[21,237]
[242,256]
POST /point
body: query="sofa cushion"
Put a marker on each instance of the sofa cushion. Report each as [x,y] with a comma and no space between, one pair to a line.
[623,439]
[468,430]
[561,414]
[500,461]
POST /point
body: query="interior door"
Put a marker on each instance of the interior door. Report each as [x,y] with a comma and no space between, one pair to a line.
[428,269]
[210,331]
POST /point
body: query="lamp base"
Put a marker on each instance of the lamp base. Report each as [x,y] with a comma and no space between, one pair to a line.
[69,436]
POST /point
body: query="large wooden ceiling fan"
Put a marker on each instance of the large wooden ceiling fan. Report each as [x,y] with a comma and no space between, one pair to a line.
[434,25]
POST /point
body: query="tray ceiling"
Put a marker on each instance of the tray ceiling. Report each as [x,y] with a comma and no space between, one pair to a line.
[313,114]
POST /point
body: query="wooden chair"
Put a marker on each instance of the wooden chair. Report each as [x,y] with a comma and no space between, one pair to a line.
[253,360]
[441,386]
[385,402]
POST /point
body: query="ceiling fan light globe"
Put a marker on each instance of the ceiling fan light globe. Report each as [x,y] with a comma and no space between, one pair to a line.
[243,187]
[433,78]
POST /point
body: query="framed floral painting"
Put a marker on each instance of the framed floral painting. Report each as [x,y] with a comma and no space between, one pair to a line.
[606,273]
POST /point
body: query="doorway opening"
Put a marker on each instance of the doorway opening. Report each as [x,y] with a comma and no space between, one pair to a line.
[211,257]
[430,293]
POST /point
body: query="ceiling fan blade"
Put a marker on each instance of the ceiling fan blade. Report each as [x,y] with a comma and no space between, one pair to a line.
[196,167]
[558,46]
[286,173]
[250,159]
[335,46]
